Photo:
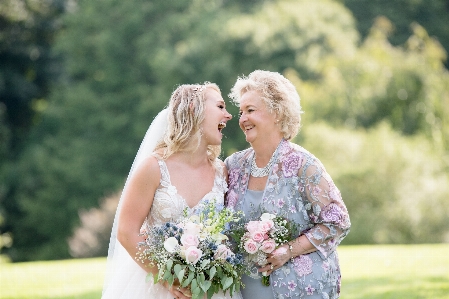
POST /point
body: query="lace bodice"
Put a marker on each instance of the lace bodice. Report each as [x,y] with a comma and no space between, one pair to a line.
[168,205]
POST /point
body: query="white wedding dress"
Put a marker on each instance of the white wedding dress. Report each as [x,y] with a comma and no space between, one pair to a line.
[128,279]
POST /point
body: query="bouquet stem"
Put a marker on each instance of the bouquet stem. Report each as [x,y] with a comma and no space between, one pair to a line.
[266,280]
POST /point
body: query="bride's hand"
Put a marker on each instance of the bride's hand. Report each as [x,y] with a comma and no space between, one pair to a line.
[177,291]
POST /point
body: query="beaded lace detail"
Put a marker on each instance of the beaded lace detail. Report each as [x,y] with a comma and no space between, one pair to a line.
[168,205]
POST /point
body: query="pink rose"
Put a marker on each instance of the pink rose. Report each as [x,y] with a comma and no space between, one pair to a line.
[268,246]
[266,225]
[222,252]
[251,246]
[193,255]
[258,236]
[252,226]
[189,240]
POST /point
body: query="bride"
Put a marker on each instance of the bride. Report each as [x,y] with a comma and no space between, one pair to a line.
[175,168]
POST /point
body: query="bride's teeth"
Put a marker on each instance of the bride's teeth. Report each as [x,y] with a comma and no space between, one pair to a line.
[221,125]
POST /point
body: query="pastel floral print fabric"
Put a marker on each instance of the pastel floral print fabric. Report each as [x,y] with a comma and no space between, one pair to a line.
[299,189]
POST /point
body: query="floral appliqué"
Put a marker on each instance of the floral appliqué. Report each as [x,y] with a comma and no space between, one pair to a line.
[302,265]
[291,164]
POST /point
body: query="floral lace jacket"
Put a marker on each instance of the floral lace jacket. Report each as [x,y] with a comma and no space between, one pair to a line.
[299,189]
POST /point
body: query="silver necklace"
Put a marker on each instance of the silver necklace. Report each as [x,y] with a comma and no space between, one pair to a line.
[261,172]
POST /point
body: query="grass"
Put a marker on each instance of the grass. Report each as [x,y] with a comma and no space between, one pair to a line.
[395,271]
[369,272]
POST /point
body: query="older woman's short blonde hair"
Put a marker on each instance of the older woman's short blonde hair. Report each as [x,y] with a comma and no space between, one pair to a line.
[278,94]
[186,112]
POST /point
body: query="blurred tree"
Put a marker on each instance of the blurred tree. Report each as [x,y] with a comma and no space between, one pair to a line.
[432,15]
[122,59]
[292,34]
[405,86]
[395,187]
[27,68]
[27,30]
[115,81]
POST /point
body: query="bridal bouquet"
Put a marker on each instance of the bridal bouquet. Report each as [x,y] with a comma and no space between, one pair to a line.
[195,251]
[262,237]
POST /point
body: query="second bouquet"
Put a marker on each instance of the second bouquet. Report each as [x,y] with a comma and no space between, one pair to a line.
[195,251]
[262,237]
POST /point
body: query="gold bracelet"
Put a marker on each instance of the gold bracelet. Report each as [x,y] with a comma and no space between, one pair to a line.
[290,246]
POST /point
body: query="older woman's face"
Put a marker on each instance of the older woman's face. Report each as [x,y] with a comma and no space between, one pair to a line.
[255,119]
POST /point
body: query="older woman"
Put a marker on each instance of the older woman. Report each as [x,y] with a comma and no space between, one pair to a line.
[277,176]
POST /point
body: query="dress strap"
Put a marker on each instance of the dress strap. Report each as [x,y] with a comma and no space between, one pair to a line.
[220,181]
[165,176]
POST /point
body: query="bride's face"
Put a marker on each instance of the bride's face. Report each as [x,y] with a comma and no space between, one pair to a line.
[215,118]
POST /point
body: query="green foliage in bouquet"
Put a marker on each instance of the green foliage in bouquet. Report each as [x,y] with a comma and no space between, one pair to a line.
[195,251]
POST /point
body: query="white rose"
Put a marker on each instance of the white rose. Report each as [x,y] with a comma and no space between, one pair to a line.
[170,244]
[219,238]
[192,228]
[267,216]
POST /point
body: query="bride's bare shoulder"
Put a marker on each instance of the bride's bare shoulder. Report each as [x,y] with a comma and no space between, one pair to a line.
[149,169]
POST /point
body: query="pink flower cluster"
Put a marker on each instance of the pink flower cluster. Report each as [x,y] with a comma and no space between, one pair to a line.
[257,236]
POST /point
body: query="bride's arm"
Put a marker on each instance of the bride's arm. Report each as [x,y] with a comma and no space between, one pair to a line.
[136,204]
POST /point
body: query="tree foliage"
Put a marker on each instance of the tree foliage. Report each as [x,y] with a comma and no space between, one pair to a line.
[395,187]
[406,86]
[432,15]
[26,64]
[122,59]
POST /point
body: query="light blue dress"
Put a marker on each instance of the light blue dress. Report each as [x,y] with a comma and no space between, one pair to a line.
[253,286]
[300,190]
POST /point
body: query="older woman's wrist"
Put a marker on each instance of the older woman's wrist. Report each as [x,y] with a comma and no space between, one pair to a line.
[296,248]
[290,247]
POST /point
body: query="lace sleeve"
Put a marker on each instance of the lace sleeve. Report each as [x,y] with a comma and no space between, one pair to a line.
[325,208]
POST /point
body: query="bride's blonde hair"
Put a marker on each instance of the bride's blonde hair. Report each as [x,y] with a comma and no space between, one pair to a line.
[186,112]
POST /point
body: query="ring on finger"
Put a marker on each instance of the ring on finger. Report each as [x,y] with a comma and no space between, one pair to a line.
[271,267]
[178,288]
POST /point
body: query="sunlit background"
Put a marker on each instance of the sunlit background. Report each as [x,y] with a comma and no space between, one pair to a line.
[81,80]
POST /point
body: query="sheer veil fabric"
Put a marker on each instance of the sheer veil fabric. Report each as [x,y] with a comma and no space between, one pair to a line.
[123,276]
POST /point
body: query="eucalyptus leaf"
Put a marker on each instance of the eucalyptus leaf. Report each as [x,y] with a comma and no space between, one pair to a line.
[177,268]
[149,277]
[206,285]
[180,275]
[169,265]
[227,282]
[201,278]
[189,279]
[212,272]
[204,263]
[171,279]
[166,275]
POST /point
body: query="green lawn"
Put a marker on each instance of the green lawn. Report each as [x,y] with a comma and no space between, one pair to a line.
[369,272]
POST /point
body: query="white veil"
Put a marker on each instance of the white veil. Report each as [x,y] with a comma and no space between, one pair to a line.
[119,262]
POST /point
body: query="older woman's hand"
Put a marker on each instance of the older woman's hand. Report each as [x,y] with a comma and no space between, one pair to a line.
[276,260]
